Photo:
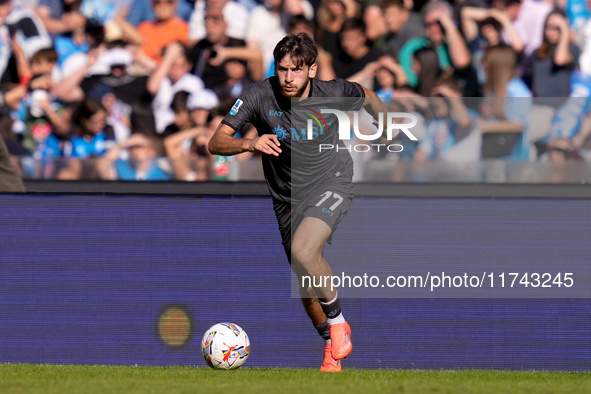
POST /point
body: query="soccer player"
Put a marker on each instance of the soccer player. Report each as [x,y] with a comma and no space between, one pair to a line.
[307,215]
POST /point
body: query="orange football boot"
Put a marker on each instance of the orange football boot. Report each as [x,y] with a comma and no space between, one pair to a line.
[330,364]
[340,337]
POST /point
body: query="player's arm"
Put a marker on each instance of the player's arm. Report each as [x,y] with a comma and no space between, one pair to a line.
[225,143]
[373,104]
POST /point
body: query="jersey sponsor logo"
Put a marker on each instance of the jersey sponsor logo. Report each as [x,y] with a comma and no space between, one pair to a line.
[281,133]
[275,113]
[236,107]
[316,125]
[320,121]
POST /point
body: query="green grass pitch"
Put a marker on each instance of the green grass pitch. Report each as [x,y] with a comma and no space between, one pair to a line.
[48,379]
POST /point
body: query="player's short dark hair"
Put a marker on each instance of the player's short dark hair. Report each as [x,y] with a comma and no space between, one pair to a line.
[354,23]
[301,48]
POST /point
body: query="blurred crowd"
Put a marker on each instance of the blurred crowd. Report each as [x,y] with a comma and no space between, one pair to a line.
[134,89]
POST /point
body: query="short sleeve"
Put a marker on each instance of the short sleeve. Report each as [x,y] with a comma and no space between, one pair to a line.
[351,90]
[244,110]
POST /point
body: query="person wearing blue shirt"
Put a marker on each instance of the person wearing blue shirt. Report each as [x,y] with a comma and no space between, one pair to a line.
[142,11]
[142,163]
[92,135]
[505,109]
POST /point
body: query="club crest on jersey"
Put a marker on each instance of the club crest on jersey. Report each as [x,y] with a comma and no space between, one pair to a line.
[280,132]
[236,107]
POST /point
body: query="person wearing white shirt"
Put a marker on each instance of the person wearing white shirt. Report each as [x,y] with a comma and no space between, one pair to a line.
[269,23]
[172,76]
[235,14]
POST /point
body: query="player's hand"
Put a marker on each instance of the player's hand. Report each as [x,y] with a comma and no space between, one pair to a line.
[267,143]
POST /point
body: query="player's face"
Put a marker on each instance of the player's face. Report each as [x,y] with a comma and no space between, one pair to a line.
[294,80]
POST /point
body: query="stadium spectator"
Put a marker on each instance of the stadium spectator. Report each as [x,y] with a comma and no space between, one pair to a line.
[300,24]
[101,11]
[128,89]
[186,113]
[553,62]
[143,163]
[383,76]
[388,77]
[377,28]
[330,18]
[210,54]
[577,147]
[44,62]
[403,24]
[452,132]
[73,47]
[171,76]
[459,5]
[483,28]
[237,82]
[527,18]
[235,14]
[268,23]
[91,136]
[16,74]
[140,11]
[60,16]
[26,27]
[425,65]
[188,154]
[154,35]
[41,114]
[142,119]
[506,108]
[182,114]
[568,128]
[444,37]
[355,54]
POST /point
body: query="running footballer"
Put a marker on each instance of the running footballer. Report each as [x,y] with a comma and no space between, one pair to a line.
[311,198]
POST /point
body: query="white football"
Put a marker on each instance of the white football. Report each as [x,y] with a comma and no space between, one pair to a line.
[225,346]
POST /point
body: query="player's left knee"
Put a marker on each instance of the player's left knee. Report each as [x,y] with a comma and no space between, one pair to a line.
[305,257]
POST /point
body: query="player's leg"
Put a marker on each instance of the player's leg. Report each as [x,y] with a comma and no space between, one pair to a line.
[283,212]
[312,269]
[318,318]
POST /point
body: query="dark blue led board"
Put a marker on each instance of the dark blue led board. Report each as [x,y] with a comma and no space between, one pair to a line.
[138,279]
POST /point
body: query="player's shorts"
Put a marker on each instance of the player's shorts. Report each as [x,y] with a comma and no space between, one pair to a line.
[329,204]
